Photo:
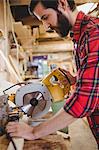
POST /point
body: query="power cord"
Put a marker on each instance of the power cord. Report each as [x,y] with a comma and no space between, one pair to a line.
[11,140]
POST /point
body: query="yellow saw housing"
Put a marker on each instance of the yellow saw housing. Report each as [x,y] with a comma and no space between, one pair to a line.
[57,91]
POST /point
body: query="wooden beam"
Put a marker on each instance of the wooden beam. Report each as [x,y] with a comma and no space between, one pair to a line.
[26,2]
[86,1]
[43,48]
[20,2]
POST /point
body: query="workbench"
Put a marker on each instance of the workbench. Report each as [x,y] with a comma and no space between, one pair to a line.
[50,142]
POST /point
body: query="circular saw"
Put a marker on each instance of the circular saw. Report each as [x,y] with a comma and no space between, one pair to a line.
[35,98]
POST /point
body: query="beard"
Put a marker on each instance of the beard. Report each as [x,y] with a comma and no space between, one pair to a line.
[64,25]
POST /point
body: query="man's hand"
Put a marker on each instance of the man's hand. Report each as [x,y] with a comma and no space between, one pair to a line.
[16,129]
[71,79]
[60,120]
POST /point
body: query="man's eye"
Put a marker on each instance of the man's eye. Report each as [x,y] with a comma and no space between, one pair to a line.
[44,17]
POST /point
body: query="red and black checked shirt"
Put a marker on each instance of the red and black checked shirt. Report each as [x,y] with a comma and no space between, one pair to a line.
[85,98]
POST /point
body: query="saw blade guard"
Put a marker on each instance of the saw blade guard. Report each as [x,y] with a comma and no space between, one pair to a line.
[34,99]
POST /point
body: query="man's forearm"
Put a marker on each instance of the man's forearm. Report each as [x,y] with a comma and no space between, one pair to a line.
[59,121]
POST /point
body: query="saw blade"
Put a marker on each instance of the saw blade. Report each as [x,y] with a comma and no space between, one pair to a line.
[34,99]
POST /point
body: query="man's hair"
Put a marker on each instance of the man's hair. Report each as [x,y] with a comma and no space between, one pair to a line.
[51,4]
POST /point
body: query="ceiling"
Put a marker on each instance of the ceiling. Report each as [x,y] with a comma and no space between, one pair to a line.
[26,2]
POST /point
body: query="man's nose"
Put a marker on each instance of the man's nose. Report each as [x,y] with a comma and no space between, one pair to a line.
[46,25]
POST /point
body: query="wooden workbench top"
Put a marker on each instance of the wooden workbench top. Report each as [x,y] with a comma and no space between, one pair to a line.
[51,142]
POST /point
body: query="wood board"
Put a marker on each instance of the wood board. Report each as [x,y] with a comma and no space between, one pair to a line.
[50,142]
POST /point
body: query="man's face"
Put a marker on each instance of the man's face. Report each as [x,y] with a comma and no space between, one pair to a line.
[63,25]
[53,19]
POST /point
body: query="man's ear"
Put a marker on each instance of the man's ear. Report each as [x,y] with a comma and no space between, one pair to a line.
[62,4]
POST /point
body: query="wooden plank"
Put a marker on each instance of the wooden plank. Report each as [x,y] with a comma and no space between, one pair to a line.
[26,2]
[86,1]
[20,2]
[51,142]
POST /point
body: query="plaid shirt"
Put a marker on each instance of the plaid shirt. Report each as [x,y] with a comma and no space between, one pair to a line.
[85,99]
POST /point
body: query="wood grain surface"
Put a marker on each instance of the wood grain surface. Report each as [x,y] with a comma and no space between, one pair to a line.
[51,142]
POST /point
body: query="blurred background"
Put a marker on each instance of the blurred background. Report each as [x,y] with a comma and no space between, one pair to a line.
[27,50]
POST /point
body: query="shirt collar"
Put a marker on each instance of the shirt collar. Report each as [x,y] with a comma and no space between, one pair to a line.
[77,26]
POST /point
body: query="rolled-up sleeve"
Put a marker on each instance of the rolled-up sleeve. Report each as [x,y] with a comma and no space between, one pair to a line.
[86,95]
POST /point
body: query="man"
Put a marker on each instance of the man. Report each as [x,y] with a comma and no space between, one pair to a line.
[62,16]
